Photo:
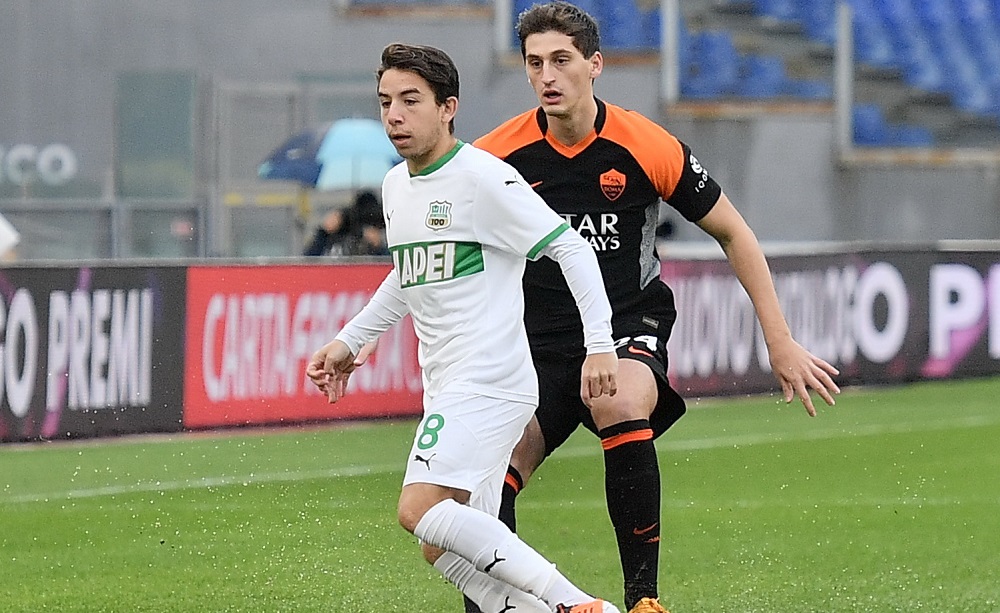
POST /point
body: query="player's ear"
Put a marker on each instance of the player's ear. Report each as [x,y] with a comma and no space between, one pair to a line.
[449,109]
[596,64]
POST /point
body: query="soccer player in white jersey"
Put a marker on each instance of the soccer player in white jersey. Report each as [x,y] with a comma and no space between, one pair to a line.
[460,224]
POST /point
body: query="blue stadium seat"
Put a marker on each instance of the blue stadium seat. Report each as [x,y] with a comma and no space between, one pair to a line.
[912,136]
[872,129]
[995,94]
[980,28]
[819,20]
[684,42]
[810,89]
[778,11]
[762,76]
[974,97]
[870,126]
[922,70]
[651,26]
[714,67]
[872,43]
[622,26]
[913,48]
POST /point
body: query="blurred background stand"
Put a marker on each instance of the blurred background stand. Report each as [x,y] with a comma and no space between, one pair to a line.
[351,154]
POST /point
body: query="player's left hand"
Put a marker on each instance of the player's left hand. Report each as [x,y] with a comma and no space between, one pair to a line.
[599,376]
[797,371]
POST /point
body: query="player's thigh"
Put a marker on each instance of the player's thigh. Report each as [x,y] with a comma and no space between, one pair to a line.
[667,406]
[464,442]
[644,390]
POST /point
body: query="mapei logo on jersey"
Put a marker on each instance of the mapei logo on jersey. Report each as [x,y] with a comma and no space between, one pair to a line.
[612,184]
[423,263]
[439,215]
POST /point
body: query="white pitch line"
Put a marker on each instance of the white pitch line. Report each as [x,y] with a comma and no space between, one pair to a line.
[206,482]
[812,503]
[573,452]
[740,440]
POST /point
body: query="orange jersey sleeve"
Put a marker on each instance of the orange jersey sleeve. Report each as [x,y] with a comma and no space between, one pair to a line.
[658,152]
[511,135]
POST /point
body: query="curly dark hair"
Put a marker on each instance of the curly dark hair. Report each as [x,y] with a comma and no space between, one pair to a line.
[564,18]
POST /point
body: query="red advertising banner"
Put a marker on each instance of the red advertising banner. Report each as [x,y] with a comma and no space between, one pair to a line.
[252,329]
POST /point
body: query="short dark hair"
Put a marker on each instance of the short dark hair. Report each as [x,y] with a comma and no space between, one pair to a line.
[430,63]
[564,18]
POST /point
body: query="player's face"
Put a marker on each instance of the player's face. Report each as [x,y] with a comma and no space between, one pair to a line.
[562,78]
[416,124]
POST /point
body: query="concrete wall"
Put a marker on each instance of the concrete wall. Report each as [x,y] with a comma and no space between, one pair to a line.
[784,174]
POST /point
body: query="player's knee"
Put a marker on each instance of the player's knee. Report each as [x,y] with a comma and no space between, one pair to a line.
[408,518]
[417,499]
[431,553]
[410,511]
[608,411]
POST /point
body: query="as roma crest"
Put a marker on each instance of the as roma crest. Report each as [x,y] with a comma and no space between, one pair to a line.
[612,184]
[439,215]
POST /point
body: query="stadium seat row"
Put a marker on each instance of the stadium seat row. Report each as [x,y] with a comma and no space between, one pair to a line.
[872,129]
[712,67]
[949,47]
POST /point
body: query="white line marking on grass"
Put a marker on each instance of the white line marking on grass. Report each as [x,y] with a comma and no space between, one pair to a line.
[665,444]
[573,452]
[206,482]
[812,504]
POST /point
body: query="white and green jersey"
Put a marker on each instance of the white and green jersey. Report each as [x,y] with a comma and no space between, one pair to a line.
[459,233]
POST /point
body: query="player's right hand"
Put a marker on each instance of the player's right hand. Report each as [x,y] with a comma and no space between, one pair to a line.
[366,351]
[599,376]
[330,368]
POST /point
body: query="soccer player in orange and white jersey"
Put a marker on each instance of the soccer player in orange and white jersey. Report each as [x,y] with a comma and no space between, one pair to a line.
[605,170]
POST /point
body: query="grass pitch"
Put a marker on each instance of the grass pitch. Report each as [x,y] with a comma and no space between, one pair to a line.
[889,501]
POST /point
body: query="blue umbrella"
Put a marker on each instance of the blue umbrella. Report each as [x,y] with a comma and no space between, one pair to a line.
[347,154]
[295,160]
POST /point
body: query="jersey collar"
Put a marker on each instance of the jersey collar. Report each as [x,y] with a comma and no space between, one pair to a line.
[574,150]
[602,117]
[441,161]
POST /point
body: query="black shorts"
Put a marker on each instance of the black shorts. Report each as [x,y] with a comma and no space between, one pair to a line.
[561,410]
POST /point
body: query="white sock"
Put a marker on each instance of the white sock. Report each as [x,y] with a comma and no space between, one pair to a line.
[496,551]
[487,592]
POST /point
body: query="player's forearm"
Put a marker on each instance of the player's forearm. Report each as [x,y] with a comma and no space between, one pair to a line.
[579,265]
[385,308]
[751,268]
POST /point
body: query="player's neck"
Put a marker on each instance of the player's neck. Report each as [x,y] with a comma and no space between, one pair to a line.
[575,126]
[418,164]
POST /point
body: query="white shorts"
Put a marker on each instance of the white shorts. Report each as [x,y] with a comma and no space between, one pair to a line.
[464,442]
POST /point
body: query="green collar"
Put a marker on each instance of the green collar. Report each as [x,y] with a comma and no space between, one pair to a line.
[440,161]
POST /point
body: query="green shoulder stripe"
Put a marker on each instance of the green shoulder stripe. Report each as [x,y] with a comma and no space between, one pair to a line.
[551,236]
